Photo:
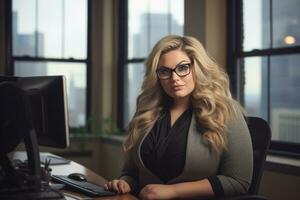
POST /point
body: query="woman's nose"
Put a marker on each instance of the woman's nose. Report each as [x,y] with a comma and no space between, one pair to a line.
[175,77]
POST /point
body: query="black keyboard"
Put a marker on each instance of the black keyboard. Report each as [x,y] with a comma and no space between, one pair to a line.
[84,187]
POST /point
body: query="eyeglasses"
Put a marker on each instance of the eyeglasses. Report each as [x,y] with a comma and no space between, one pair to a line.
[181,70]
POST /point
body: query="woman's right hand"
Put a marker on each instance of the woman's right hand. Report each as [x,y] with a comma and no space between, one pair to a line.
[119,186]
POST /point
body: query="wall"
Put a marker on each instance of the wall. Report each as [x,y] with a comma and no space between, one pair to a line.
[113,152]
[215,30]
[280,186]
[206,20]
[104,60]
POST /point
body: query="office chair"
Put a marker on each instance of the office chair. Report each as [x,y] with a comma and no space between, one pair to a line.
[261,135]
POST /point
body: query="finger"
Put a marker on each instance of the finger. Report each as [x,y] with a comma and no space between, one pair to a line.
[120,185]
[115,186]
[106,186]
[109,185]
[126,188]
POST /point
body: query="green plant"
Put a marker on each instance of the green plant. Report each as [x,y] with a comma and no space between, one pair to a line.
[82,135]
[110,127]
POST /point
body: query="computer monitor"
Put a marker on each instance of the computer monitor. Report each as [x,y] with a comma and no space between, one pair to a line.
[48,105]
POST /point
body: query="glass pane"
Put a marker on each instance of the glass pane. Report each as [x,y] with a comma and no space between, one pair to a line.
[75,26]
[23,27]
[256,30]
[75,74]
[50,22]
[149,21]
[286,23]
[158,21]
[285,98]
[137,28]
[177,16]
[255,86]
[51,29]
[133,82]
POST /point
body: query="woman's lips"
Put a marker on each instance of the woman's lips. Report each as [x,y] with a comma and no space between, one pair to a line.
[177,87]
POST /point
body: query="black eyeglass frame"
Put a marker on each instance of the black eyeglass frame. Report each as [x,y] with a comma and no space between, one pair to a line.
[174,70]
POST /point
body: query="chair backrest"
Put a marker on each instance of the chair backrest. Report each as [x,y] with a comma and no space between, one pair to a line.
[261,135]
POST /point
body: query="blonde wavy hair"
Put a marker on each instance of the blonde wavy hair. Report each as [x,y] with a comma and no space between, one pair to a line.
[211,98]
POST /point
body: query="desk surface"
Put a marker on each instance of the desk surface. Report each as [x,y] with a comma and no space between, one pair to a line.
[73,167]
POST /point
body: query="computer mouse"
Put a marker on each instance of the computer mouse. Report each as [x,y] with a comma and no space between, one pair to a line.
[77,177]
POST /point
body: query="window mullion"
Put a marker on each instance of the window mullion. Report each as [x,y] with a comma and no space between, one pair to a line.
[269,89]
[169,18]
[271,24]
[269,65]
[63,30]
[148,24]
[268,52]
[36,28]
[135,60]
[27,58]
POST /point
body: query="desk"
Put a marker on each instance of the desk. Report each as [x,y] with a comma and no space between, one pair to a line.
[73,167]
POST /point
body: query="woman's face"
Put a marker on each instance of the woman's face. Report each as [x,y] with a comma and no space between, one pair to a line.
[178,83]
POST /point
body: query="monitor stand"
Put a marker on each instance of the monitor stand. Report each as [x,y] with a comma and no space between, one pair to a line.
[27,187]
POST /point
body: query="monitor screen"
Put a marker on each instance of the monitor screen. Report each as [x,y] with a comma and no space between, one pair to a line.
[48,104]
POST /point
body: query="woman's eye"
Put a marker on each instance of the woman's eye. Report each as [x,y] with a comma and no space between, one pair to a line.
[163,71]
[183,67]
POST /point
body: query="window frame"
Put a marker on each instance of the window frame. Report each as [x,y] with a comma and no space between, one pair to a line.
[123,45]
[10,58]
[234,53]
[124,60]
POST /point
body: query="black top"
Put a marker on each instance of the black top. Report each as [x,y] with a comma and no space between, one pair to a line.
[163,151]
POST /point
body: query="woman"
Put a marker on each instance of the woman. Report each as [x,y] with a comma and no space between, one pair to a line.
[188,137]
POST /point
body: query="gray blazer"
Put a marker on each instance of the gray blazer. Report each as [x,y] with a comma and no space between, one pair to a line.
[233,167]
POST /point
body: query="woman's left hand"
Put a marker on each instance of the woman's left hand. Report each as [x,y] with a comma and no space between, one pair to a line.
[157,191]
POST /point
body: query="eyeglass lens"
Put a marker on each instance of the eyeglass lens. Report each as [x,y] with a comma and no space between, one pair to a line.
[166,73]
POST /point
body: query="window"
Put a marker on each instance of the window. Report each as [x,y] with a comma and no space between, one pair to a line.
[49,37]
[143,23]
[267,71]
